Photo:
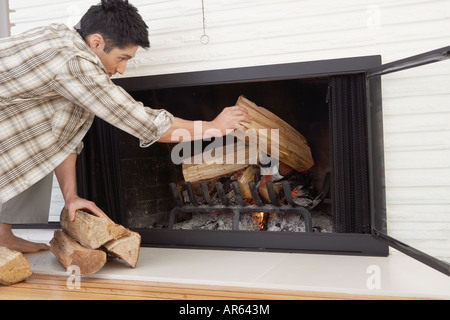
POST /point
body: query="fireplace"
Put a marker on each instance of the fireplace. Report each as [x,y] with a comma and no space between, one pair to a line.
[335,104]
[327,101]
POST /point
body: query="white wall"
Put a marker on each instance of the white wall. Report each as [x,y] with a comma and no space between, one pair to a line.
[5,27]
[259,32]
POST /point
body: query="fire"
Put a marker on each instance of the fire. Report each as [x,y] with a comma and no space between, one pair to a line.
[260,220]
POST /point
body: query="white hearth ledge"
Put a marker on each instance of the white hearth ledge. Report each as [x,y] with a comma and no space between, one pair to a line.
[397,275]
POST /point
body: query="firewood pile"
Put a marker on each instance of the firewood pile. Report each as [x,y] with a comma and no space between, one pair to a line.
[270,156]
[302,191]
[87,242]
[267,137]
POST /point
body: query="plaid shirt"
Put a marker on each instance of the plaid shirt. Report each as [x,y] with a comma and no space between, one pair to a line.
[52,85]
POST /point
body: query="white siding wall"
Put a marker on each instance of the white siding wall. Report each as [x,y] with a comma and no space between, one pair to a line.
[259,32]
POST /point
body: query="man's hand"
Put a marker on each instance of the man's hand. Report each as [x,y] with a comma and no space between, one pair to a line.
[230,118]
[76,203]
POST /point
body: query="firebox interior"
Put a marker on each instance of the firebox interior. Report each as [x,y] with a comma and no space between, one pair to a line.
[302,103]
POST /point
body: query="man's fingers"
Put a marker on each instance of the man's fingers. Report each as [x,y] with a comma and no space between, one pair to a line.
[89,206]
[72,215]
[235,116]
[242,114]
[240,127]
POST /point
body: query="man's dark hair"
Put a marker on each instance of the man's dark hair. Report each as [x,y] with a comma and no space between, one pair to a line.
[118,22]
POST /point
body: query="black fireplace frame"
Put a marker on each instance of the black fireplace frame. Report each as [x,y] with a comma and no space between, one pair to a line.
[331,243]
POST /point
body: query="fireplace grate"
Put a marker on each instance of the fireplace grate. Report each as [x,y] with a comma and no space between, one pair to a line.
[241,205]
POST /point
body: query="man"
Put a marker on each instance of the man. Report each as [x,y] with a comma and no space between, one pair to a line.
[53,81]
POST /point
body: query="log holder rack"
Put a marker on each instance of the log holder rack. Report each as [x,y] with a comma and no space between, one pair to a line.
[241,205]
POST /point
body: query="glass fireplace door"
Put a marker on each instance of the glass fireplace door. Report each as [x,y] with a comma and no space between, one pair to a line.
[414,176]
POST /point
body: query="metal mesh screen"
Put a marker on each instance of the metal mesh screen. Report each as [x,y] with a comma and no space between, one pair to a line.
[349,154]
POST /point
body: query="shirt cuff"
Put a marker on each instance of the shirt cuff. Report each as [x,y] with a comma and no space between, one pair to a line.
[162,122]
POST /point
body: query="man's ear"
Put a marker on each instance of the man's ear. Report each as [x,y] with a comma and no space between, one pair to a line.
[96,41]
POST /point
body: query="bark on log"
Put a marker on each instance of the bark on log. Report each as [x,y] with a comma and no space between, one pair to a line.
[125,248]
[89,230]
[14,267]
[293,147]
[71,253]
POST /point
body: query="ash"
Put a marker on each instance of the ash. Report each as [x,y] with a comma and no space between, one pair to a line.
[276,222]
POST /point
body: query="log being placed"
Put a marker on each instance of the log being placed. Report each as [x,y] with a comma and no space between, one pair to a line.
[292,146]
[89,230]
[71,253]
[125,248]
[14,267]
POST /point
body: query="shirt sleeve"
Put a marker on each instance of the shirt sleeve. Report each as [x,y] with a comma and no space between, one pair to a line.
[78,149]
[88,86]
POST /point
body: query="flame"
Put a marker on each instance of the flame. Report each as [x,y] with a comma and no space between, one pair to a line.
[258,220]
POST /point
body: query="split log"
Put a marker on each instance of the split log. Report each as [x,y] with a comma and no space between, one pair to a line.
[89,230]
[226,160]
[210,185]
[71,253]
[265,194]
[247,176]
[262,188]
[125,248]
[14,267]
[292,147]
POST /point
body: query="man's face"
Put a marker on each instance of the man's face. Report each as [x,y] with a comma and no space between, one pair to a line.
[115,60]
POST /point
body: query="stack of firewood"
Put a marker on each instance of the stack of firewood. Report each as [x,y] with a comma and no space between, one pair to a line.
[87,241]
[294,153]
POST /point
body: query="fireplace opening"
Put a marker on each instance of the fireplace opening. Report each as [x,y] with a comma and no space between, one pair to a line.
[302,103]
[324,209]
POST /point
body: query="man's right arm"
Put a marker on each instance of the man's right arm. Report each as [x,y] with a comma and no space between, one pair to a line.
[228,119]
